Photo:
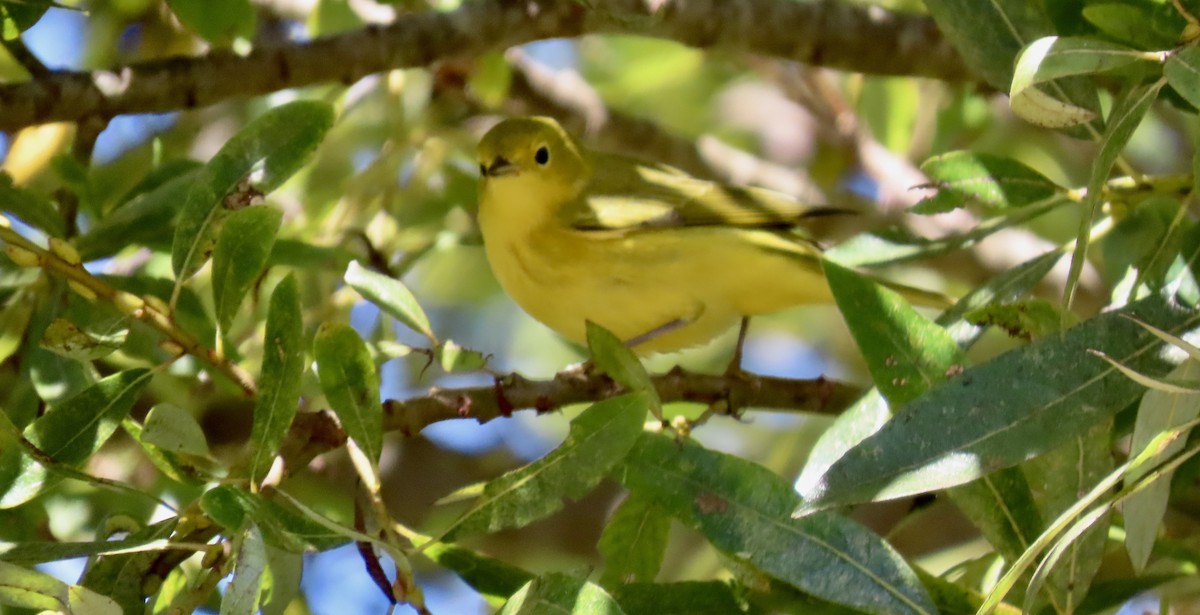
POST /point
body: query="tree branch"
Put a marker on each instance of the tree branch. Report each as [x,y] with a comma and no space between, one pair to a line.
[829,33]
[315,433]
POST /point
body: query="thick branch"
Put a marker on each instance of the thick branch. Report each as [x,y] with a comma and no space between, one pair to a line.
[830,33]
[316,433]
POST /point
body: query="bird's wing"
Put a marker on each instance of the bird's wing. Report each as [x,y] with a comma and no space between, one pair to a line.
[627,195]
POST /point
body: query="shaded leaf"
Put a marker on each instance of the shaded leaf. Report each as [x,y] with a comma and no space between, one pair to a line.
[964,177]
[906,353]
[277,143]
[239,257]
[745,511]
[1127,113]
[241,596]
[560,593]
[633,543]
[1183,74]
[282,372]
[174,429]
[486,575]
[599,438]
[684,598]
[218,21]
[351,384]
[1159,411]
[30,207]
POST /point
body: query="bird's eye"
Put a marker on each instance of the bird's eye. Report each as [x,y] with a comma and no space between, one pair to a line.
[542,155]
[482,170]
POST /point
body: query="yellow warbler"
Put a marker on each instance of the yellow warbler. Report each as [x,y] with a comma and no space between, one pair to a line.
[661,259]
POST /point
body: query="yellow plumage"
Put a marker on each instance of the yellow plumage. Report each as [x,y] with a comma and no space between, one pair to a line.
[663,260]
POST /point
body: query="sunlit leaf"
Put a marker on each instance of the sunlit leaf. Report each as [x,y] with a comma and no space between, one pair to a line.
[599,438]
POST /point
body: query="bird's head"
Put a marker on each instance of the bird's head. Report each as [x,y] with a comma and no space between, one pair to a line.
[531,160]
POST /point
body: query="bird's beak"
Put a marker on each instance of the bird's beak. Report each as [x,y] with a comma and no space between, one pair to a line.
[499,167]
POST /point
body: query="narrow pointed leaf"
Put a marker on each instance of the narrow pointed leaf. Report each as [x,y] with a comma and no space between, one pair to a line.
[1058,478]
[560,593]
[744,510]
[282,370]
[1126,115]
[1183,73]
[242,594]
[633,543]
[239,257]
[77,427]
[963,178]
[1159,411]
[906,353]
[599,438]
[682,598]
[351,385]
[978,422]
[391,296]
[30,589]
[278,143]
[174,429]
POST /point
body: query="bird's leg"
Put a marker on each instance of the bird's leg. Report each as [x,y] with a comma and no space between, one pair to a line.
[735,364]
[655,332]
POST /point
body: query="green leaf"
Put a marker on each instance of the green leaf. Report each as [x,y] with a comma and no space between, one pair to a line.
[281,584]
[14,323]
[745,510]
[633,543]
[1125,117]
[1159,411]
[74,429]
[1028,320]
[599,438]
[239,256]
[1145,25]
[490,81]
[1058,478]
[241,596]
[174,429]
[486,575]
[67,339]
[391,296]
[281,525]
[351,384]
[978,422]
[30,207]
[560,593]
[989,35]
[865,417]
[684,598]
[1050,58]
[452,357]
[30,589]
[906,353]
[1002,506]
[618,362]
[17,17]
[282,372]
[1053,57]
[965,177]
[278,143]
[1183,73]
[142,219]
[218,21]
[120,576]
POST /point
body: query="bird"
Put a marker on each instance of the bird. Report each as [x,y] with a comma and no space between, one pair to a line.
[663,260]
